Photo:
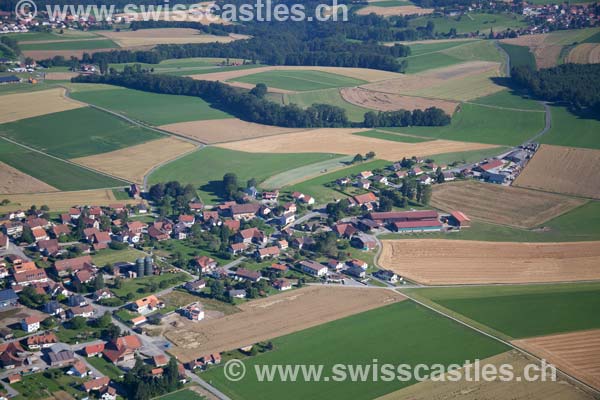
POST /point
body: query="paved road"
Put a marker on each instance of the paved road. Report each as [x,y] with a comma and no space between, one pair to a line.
[547,121]
[207,385]
[16,250]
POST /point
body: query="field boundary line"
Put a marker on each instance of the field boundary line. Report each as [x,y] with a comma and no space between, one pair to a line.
[506,343]
[125,181]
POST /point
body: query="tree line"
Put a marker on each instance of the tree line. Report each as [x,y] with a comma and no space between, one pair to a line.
[577,85]
[431,116]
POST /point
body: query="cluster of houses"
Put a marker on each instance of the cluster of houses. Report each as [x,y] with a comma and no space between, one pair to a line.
[503,170]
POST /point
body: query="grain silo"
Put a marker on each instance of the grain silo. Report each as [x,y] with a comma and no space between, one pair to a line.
[139,267]
[148,265]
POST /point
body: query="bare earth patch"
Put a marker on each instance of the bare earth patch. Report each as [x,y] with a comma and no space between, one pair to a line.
[342,141]
[134,162]
[61,201]
[464,390]
[32,104]
[576,353]
[60,76]
[391,11]
[365,74]
[224,130]
[391,102]
[14,181]
[567,170]
[274,316]
[504,205]
[441,261]
[146,37]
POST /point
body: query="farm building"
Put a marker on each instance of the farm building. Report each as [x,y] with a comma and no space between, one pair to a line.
[403,216]
[459,219]
[313,268]
[9,79]
[416,226]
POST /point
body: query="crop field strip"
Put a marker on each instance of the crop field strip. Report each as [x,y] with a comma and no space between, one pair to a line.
[300,80]
[30,104]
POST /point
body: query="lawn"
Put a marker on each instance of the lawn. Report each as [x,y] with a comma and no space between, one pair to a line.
[110,256]
[151,107]
[569,129]
[77,133]
[401,333]
[475,123]
[185,394]
[205,168]
[326,96]
[300,80]
[523,311]
[315,187]
[74,336]
[93,44]
[520,56]
[60,174]
[509,99]
[106,367]
[40,386]
[580,224]
[474,22]
[394,137]
[418,49]
[140,287]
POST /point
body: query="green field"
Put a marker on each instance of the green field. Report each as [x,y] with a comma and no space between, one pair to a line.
[185,394]
[471,23]
[189,66]
[150,107]
[76,133]
[520,56]
[140,287]
[54,35]
[401,333]
[300,80]
[523,311]
[315,186]
[569,129]
[106,367]
[60,174]
[205,168]
[464,157]
[509,99]
[394,137]
[326,96]
[451,53]
[93,44]
[475,123]
[390,3]
[306,172]
[110,256]
[580,224]
[38,386]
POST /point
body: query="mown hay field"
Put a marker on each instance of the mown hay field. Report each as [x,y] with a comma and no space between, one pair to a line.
[14,181]
[146,37]
[61,201]
[32,104]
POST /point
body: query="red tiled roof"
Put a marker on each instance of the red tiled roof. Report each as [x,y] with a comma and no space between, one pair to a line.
[365,198]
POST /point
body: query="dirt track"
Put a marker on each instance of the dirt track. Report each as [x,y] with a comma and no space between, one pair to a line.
[567,170]
[32,104]
[14,181]
[494,390]
[576,353]
[441,261]
[274,316]
[342,141]
[506,205]
[391,102]
[134,162]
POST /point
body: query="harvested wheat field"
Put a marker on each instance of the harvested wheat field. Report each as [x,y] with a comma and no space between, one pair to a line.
[60,201]
[576,353]
[60,76]
[342,141]
[465,390]
[567,170]
[506,205]
[365,74]
[134,162]
[391,102]
[457,82]
[148,37]
[391,11]
[585,53]
[452,262]
[26,105]
[544,48]
[273,317]
[224,130]
[14,181]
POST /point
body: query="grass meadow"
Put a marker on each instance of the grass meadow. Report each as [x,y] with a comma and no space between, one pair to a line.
[520,56]
[153,108]
[76,133]
[300,80]
[569,129]
[437,55]
[60,174]
[325,96]
[93,44]
[473,22]
[205,168]
[401,333]
[523,311]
